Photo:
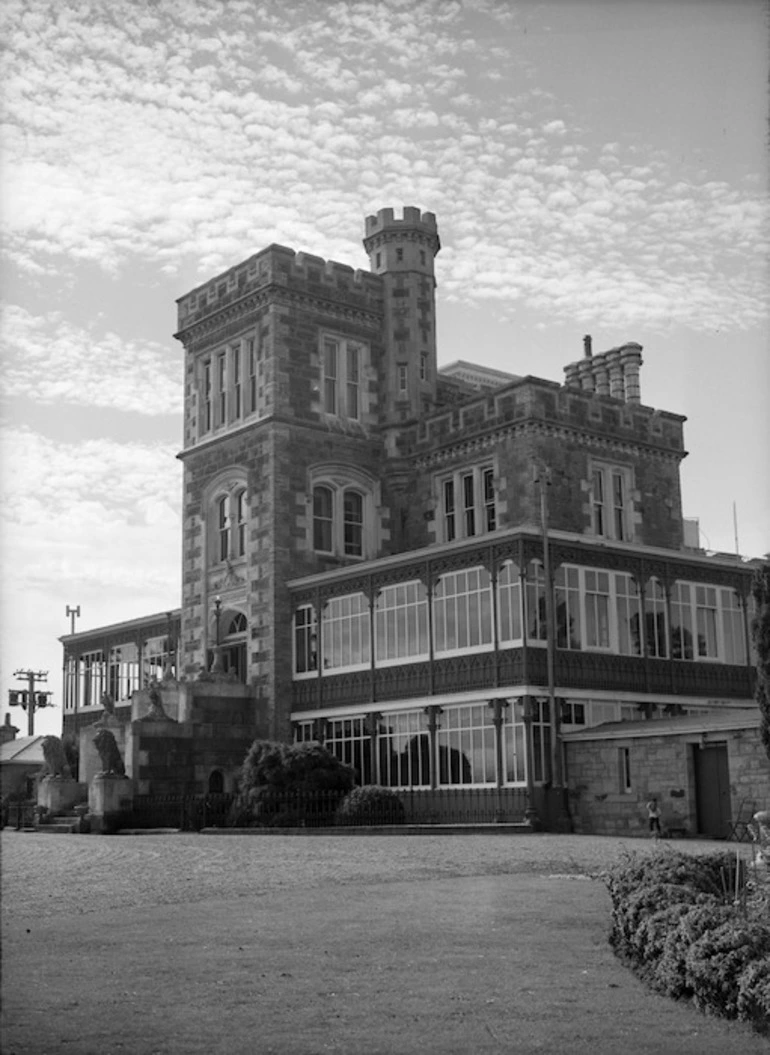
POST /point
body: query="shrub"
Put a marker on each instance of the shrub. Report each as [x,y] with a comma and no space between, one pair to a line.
[715,962]
[674,922]
[289,785]
[371,804]
[754,994]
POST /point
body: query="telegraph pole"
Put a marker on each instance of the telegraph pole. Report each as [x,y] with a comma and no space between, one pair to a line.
[30,700]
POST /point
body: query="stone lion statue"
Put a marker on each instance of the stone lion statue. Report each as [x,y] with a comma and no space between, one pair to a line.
[108,703]
[55,761]
[156,711]
[106,745]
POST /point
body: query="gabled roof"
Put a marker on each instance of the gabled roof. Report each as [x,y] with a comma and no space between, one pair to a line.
[26,750]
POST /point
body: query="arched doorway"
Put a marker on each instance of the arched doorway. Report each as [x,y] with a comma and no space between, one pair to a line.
[216,782]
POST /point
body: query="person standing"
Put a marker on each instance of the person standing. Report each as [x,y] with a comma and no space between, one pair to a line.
[653,818]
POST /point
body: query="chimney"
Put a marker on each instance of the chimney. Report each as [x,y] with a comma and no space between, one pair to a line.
[587,346]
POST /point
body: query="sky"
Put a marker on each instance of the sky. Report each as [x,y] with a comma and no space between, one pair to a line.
[595,167]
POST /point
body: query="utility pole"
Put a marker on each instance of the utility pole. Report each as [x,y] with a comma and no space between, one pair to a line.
[543,478]
[30,701]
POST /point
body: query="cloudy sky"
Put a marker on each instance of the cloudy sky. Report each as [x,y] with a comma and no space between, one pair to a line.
[595,167]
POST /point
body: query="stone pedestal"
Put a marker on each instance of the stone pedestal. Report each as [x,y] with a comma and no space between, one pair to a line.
[109,797]
[90,762]
[57,795]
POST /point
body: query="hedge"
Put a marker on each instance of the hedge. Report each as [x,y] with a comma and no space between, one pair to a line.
[676,924]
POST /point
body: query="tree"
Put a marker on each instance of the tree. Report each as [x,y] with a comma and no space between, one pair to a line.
[760,632]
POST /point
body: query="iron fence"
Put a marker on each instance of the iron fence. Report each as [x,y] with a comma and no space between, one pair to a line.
[320,809]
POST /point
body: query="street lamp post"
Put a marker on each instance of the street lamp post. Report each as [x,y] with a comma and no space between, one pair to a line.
[216,666]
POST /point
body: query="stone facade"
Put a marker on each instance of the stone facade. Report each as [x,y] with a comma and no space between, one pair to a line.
[614,771]
[328,460]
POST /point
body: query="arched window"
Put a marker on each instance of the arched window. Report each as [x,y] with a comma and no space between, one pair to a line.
[228,521]
[323,519]
[216,782]
[236,625]
[342,506]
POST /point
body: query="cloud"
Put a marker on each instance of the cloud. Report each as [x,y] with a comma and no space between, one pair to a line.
[197,134]
[95,514]
[52,361]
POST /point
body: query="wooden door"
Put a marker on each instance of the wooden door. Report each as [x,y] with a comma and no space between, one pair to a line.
[712,790]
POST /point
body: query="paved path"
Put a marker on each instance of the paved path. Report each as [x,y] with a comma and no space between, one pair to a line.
[167,945]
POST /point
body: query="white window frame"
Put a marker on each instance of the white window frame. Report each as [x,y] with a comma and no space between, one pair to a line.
[464,610]
[401,627]
[228,520]
[609,518]
[467,501]
[345,631]
[510,611]
[706,611]
[343,365]
[305,625]
[341,481]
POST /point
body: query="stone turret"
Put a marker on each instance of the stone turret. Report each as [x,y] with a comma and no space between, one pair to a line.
[402,251]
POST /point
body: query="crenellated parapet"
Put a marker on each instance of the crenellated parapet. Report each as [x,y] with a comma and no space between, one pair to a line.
[413,224]
[550,406]
[279,266]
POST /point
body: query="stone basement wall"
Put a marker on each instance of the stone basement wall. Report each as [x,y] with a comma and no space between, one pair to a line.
[661,766]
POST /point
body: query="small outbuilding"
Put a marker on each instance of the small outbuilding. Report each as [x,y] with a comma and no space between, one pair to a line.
[20,760]
[708,772]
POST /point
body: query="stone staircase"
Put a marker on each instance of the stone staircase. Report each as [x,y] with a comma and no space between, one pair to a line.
[68,824]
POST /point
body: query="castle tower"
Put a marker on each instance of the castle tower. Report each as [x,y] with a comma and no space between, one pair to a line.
[402,251]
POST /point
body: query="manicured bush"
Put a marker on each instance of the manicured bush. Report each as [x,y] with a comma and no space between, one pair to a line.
[290,785]
[676,923]
[371,804]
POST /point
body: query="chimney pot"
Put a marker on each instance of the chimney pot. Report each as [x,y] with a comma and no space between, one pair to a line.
[587,346]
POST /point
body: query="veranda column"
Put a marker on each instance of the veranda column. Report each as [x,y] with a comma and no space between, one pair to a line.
[530,813]
[433,712]
[373,723]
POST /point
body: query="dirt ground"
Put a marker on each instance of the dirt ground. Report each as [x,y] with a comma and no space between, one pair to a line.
[184,944]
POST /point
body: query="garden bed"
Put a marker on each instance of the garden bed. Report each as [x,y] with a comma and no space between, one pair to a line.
[697,929]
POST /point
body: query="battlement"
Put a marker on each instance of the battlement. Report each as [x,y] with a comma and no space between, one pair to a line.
[386,223]
[548,403]
[277,265]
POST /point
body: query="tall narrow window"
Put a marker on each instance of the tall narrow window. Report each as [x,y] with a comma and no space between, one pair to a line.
[305,640]
[403,378]
[656,630]
[221,388]
[207,396]
[469,505]
[449,510]
[352,380]
[252,357]
[567,589]
[322,519]
[618,505]
[598,502]
[732,627]
[353,523]
[330,376]
[509,604]
[706,618]
[237,403]
[681,621]
[240,524]
[423,367]
[629,618]
[223,528]
[535,601]
[488,484]
[597,609]
[624,769]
